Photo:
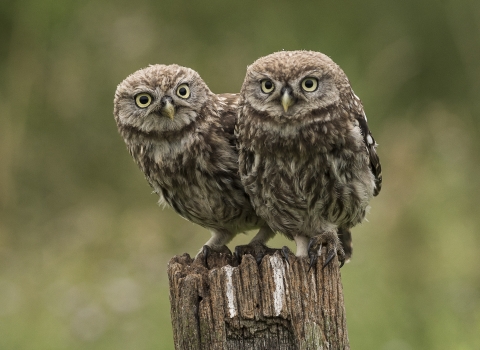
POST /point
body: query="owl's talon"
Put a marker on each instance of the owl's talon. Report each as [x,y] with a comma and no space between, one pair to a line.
[285,252]
[313,261]
[239,252]
[236,258]
[332,243]
[345,237]
[330,255]
[207,251]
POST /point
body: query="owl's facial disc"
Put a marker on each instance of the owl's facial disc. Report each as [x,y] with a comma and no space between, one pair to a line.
[287,98]
[167,107]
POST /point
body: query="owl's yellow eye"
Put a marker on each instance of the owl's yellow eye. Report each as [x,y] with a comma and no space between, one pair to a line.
[183,91]
[309,84]
[267,86]
[143,100]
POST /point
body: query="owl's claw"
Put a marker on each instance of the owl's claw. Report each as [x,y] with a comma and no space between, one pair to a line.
[345,237]
[331,254]
[285,252]
[313,260]
[256,249]
[209,250]
[206,252]
[333,248]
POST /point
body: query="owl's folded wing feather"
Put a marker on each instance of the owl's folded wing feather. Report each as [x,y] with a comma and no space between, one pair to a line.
[371,146]
[227,109]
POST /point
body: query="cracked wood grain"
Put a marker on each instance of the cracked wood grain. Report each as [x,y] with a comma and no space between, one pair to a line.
[274,305]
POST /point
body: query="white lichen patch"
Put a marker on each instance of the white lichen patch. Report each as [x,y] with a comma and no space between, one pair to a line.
[230,291]
[278,275]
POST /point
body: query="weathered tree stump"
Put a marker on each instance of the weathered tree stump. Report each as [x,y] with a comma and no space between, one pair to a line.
[274,305]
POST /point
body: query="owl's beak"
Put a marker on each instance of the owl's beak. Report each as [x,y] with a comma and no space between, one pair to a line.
[287,98]
[168,109]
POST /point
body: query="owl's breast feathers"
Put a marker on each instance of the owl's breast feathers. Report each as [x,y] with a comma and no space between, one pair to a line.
[320,166]
[318,134]
[195,171]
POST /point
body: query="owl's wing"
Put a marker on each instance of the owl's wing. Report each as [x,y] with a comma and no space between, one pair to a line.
[227,109]
[371,146]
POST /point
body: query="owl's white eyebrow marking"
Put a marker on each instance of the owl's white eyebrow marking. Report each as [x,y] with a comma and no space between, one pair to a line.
[262,74]
[312,71]
[181,83]
[142,89]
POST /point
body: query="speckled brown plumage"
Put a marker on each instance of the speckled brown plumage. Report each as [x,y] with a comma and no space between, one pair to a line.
[306,156]
[185,146]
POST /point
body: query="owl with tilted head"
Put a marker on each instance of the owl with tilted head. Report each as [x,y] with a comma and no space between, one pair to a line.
[181,135]
[306,155]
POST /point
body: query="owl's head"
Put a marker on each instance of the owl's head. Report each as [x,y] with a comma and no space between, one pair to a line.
[160,98]
[293,85]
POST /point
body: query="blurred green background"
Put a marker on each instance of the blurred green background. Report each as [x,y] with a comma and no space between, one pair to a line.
[83,245]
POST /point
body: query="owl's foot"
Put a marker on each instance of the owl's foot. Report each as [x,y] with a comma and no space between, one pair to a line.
[331,241]
[258,250]
[207,251]
[345,237]
[285,251]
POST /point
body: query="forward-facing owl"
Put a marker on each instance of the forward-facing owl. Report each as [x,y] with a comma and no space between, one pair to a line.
[181,135]
[306,156]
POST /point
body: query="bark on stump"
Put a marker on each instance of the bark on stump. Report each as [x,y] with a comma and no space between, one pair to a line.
[274,305]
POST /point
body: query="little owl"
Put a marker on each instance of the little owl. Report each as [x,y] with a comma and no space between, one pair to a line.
[306,155]
[181,135]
